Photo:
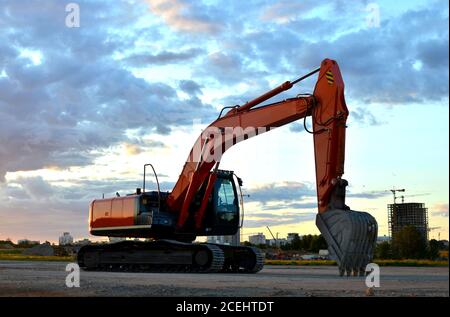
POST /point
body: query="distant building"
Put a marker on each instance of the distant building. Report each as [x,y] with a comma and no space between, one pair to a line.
[383,239]
[83,242]
[65,239]
[115,239]
[227,240]
[408,214]
[26,241]
[234,240]
[292,236]
[310,257]
[276,242]
[271,242]
[257,239]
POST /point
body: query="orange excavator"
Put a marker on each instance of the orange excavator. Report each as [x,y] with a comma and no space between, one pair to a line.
[207,201]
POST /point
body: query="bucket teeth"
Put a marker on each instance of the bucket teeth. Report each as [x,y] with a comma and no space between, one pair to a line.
[351,237]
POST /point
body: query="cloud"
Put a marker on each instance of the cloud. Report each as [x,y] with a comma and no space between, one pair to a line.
[299,127]
[46,209]
[87,189]
[384,58]
[440,210]
[281,192]
[290,205]
[277,219]
[280,203]
[368,195]
[132,149]
[137,145]
[190,87]
[296,195]
[79,100]
[165,57]
[275,198]
[36,187]
[80,97]
[433,53]
[285,11]
[378,64]
[224,67]
[364,116]
[184,15]
[35,208]
[441,213]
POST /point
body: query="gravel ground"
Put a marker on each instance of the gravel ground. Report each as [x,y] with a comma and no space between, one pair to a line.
[48,279]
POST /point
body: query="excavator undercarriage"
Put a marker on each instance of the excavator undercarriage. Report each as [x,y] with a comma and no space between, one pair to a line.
[170,256]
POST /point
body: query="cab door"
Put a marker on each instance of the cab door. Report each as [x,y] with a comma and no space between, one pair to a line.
[225,205]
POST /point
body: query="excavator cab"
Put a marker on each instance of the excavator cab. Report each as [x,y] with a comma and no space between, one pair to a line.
[223,210]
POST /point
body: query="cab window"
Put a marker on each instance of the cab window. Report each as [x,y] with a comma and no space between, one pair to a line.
[226,207]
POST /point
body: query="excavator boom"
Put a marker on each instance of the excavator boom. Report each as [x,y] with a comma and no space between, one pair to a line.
[350,235]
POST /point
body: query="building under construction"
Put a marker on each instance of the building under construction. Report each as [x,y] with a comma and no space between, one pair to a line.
[408,214]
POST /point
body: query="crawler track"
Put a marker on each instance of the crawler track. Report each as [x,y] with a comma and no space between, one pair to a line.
[242,259]
[170,256]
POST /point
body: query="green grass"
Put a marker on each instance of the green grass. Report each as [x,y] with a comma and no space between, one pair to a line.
[11,251]
[16,255]
[20,257]
[300,262]
[408,262]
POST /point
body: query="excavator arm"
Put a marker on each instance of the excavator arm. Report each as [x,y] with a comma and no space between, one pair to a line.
[350,235]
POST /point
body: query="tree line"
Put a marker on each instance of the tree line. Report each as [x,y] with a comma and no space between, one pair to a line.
[307,243]
[409,243]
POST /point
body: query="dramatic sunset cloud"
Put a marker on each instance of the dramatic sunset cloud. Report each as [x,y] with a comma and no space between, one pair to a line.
[83,109]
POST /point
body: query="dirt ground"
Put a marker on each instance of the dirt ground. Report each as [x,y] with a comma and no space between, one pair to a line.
[49,279]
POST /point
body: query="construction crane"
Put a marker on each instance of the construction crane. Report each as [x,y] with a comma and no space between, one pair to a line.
[275,239]
[402,197]
[435,228]
[394,191]
[205,199]
[280,254]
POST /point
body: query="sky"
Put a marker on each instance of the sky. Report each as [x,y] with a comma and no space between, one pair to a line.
[82,109]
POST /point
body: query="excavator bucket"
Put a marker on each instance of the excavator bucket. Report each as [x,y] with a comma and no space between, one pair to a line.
[351,237]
